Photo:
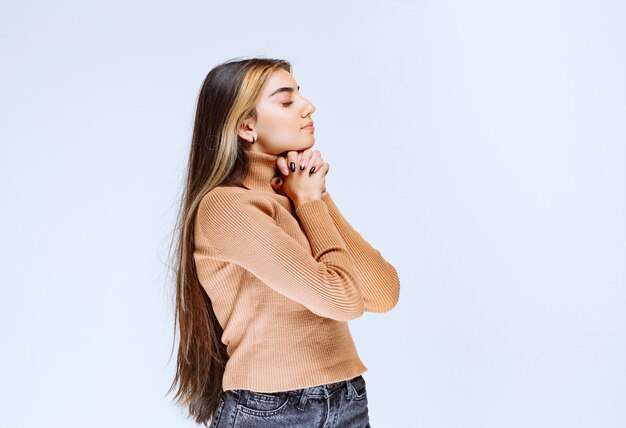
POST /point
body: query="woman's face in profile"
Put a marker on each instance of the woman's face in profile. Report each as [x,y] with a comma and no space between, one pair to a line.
[282,115]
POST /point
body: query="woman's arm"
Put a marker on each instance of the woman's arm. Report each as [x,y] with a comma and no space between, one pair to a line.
[377,278]
[242,229]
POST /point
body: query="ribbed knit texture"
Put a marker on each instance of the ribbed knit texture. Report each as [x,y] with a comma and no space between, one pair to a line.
[284,283]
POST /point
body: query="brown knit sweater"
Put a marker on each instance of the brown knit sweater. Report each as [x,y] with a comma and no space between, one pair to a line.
[284,283]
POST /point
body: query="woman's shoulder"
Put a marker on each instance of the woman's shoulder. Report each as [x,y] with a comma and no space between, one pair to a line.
[225,199]
[227,189]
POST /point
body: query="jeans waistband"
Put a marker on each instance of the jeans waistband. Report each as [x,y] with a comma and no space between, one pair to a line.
[323,390]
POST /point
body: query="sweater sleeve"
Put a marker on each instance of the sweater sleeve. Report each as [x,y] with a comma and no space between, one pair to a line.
[377,279]
[242,229]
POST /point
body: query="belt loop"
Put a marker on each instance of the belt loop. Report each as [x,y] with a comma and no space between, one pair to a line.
[349,388]
[242,397]
[303,398]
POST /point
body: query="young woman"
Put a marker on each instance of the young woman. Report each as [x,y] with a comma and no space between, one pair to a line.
[268,270]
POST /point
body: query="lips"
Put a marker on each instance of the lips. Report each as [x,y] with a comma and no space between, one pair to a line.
[310,124]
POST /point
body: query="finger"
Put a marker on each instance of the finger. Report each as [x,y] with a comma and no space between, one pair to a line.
[316,163]
[316,159]
[281,163]
[305,158]
[276,182]
[325,168]
[292,160]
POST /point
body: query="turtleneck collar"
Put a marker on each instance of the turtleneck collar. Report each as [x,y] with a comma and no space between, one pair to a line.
[262,167]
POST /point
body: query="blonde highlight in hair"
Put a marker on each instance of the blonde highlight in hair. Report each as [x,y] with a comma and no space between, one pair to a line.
[246,99]
[217,157]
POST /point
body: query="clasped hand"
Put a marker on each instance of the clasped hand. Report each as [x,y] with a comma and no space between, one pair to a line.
[303,176]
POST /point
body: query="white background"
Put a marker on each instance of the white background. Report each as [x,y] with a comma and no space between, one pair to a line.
[480,146]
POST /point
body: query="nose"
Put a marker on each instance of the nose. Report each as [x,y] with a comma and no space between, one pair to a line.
[309,109]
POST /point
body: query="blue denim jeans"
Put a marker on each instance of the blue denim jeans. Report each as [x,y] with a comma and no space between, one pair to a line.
[333,405]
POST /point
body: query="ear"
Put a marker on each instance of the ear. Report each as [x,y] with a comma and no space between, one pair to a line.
[246,129]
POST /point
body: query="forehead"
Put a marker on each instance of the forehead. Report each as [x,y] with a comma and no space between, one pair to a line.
[278,79]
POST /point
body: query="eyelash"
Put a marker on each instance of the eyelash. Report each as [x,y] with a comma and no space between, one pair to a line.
[289,103]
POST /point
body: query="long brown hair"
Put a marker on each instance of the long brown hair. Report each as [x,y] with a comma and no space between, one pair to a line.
[217,157]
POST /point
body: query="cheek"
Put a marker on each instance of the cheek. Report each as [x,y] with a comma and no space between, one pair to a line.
[277,123]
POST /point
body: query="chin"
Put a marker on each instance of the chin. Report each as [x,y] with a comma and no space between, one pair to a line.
[308,145]
[300,147]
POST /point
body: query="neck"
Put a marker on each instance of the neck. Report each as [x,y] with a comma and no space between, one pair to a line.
[262,167]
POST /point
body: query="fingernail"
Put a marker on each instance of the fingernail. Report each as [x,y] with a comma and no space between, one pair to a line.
[293,166]
[301,167]
[311,170]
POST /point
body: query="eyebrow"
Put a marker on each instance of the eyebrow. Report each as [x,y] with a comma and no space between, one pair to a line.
[283,89]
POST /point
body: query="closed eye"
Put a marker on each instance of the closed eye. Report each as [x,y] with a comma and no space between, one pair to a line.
[287,104]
